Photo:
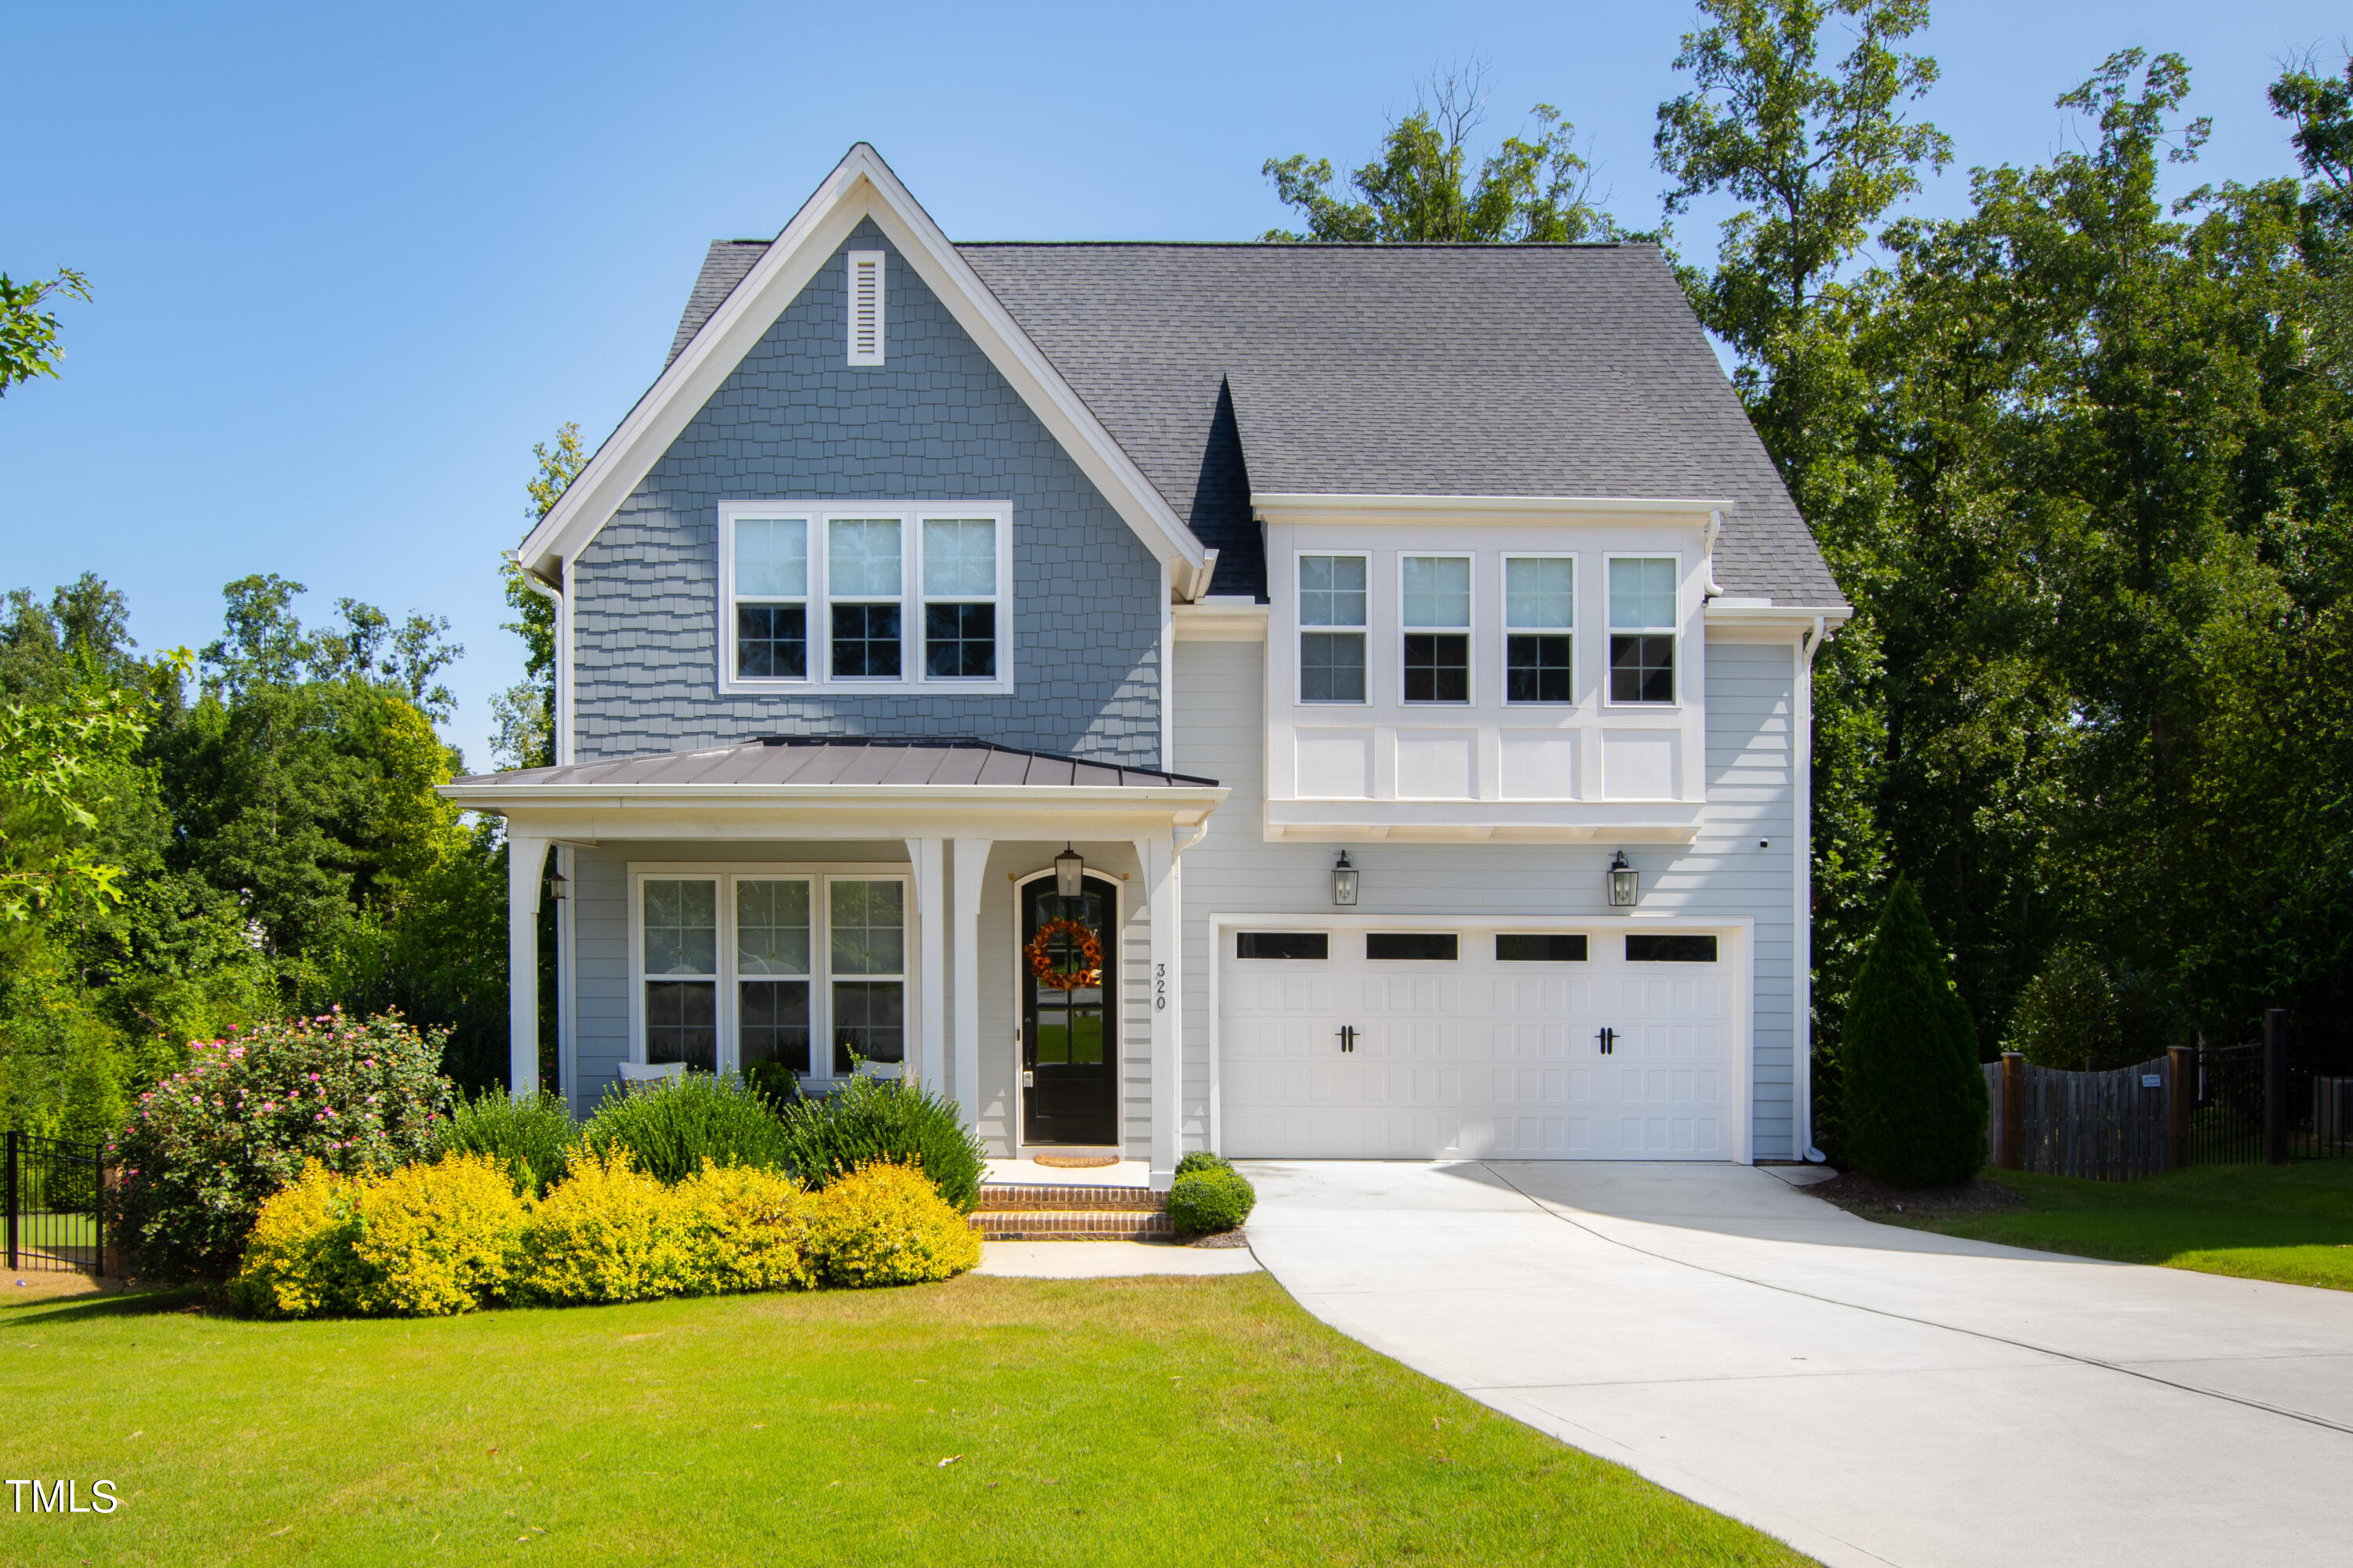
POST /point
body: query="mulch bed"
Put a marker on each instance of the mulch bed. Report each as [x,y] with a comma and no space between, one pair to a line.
[1220,1238]
[1874,1199]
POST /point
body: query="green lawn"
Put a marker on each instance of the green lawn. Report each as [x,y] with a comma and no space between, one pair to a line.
[2289,1222]
[1146,1421]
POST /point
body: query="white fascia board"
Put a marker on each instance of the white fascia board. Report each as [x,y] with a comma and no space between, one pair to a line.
[1222,622]
[1795,617]
[862,186]
[1303,506]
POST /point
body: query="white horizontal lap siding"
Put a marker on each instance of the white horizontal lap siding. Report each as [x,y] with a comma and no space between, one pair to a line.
[1750,708]
[600,935]
[1219,733]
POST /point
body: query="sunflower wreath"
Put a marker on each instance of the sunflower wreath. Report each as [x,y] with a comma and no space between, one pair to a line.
[1041,957]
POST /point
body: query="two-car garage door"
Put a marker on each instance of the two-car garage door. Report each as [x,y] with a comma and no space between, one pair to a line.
[1598,1045]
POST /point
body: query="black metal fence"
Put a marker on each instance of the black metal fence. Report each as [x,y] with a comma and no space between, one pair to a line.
[54,1192]
[2275,1100]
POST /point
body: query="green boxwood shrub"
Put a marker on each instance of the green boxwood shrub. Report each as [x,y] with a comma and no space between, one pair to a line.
[881,1121]
[526,1134]
[1216,1198]
[205,1148]
[1202,1159]
[674,1130]
[1914,1098]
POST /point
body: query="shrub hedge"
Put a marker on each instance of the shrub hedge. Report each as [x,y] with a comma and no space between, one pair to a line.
[205,1148]
[528,1135]
[879,1121]
[609,1232]
[671,1130]
[887,1225]
[1202,1159]
[437,1239]
[1209,1198]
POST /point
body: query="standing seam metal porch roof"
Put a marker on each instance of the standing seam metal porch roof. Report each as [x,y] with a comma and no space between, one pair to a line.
[800,761]
[1536,370]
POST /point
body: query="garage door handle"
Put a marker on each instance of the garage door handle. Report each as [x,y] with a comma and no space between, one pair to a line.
[1347,1037]
[1608,1038]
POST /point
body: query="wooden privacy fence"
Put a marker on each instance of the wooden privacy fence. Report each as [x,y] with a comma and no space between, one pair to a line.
[2110,1126]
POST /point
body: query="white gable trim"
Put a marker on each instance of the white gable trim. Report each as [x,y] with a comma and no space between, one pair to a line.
[859,187]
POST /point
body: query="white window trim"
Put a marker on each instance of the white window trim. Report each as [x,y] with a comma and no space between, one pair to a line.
[819,876]
[818,617]
[1572,630]
[1610,628]
[1300,628]
[1468,631]
[873,354]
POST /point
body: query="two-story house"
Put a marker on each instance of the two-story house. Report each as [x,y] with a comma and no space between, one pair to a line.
[1294,700]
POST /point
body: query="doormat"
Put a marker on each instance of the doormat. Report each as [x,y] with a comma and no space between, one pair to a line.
[1075,1161]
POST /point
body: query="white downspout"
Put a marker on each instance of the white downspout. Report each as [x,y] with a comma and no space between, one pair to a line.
[1802,931]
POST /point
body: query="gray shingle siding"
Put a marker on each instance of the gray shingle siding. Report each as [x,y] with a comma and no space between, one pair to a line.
[936,421]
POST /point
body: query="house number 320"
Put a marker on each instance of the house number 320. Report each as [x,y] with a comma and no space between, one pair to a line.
[1159,986]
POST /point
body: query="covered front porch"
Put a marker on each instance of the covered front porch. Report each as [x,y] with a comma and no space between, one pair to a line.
[868,906]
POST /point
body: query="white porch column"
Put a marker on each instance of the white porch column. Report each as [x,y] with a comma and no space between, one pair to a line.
[931,911]
[526,860]
[1157,857]
[971,879]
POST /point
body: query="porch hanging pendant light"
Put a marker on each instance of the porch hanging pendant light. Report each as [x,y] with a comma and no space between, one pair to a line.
[556,882]
[1069,871]
[1625,882]
[1343,882]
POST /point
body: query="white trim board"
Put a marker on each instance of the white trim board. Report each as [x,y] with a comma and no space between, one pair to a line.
[861,186]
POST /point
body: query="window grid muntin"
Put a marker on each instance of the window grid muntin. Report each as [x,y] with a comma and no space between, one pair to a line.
[726,984]
[1539,629]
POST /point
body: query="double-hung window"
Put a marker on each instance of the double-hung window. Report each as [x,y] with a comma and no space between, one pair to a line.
[806,970]
[771,578]
[865,594]
[1331,604]
[1539,616]
[1642,629]
[1435,620]
[960,598]
[681,971]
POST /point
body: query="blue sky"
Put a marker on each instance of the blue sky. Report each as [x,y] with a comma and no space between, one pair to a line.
[349,264]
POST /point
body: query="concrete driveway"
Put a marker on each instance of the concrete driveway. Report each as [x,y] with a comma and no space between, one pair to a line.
[1868,1394]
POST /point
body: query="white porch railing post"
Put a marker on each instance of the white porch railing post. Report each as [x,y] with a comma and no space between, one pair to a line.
[971,879]
[931,915]
[526,862]
[1157,857]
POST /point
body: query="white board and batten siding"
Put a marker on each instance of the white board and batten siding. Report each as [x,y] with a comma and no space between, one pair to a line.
[1509,1027]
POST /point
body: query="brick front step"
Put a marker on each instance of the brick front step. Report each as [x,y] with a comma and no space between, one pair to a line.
[1052,1225]
[1002,1198]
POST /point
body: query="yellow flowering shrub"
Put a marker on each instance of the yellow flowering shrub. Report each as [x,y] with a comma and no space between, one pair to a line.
[610,1233]
[437,1238]
[887,1225]
[743,1229]
[298,1261]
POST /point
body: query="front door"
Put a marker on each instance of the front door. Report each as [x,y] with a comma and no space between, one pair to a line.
[1070,1060]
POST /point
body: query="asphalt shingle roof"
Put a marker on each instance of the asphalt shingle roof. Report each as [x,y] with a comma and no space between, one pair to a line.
[1390,369]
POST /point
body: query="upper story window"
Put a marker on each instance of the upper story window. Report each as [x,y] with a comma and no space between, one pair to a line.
[1332,605]
[1642,628]
[1435,622]
[859,596]
[1539,619]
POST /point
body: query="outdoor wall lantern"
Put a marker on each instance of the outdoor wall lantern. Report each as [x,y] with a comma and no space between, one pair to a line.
[1625,882]
[1343,882]
[1069,873]
[556,885]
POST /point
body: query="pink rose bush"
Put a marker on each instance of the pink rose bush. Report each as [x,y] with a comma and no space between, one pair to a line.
[208,1145]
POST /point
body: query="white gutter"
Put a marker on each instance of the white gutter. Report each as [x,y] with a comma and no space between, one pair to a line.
[560,718]
[1801,938]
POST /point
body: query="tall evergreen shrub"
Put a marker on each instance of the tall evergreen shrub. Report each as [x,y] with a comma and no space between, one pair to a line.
[1914,1098]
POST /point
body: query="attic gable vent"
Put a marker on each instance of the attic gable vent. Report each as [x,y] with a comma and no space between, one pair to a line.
[865,307]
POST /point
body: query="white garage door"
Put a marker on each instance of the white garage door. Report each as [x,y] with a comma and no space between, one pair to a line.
[1498,1052]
